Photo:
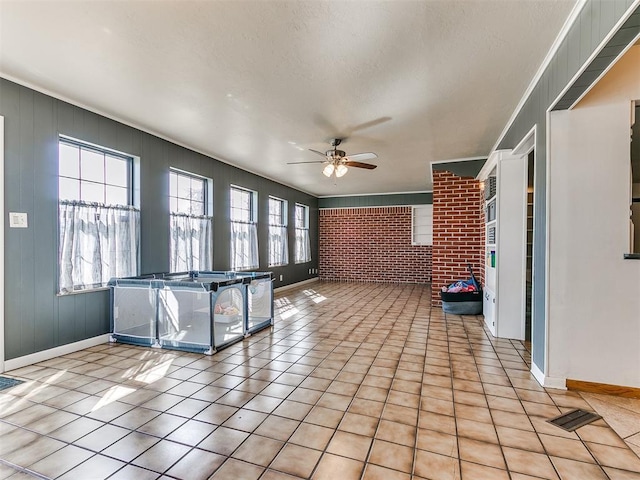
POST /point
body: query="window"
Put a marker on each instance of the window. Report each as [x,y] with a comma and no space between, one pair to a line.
[89,174]
[190,227]
[422,225]
[303,245]
[244,232]
[98,224]
[187,193]
[278,244]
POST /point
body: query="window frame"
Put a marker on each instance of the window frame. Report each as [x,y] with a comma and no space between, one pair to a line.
[422,225]
[207,207]
[104,151]
[306,216]
[207,211]
[253,215]
[284,212]
[305,209]
[253,202]
[133,198]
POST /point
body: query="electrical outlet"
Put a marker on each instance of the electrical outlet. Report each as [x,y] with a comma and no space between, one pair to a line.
[280,277]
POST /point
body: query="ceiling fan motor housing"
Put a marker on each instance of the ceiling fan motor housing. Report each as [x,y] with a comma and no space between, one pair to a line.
[336,154]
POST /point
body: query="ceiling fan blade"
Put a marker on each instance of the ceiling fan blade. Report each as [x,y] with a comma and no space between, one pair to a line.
[368,166]
[361,156]
[315,161]
[369,124]
[319,153]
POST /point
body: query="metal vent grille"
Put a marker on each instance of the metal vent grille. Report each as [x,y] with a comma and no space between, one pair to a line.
[574,419]
[489,187]
[491,235]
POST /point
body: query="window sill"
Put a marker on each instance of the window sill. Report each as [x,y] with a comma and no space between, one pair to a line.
[86,290]
[632,256]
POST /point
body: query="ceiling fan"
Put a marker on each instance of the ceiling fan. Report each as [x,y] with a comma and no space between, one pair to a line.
[338,162]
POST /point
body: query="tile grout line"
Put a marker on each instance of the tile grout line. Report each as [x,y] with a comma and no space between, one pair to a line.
[424,365]
[296,338]
[535,430]
[316,404]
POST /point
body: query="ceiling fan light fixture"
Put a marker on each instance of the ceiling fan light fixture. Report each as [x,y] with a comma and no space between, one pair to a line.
[328,170]
[337,162]
[341,170]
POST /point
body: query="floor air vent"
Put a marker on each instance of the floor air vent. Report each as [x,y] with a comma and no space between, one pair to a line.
[6,382]
[574,419]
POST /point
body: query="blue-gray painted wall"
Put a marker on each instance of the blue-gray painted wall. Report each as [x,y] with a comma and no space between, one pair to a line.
[595,21]
[466,168]
[36,318]
[356,201]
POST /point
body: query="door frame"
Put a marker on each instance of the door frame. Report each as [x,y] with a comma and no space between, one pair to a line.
[2,349]
[522,150]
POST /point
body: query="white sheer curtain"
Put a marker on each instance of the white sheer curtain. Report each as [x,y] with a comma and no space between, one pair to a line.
[191,242]
[244,246]
[278,245]
[303,245]
[97,242]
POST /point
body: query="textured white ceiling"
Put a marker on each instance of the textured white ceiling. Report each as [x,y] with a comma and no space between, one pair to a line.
[257,83]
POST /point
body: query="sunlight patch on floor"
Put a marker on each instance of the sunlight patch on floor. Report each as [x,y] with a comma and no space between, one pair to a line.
[284,308]
[315,296]
[113,394]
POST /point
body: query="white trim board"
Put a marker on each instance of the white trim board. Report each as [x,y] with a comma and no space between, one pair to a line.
[552,51]
[296,285]
[374,194]
[55,352]
[543,66]
[2,362]
[140,127]
[548,382]
[594,54]
[377,206]
[525,145]
[456,160]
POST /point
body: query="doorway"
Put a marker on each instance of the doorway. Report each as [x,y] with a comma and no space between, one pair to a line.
[525,152]
[2,245]
[529,254]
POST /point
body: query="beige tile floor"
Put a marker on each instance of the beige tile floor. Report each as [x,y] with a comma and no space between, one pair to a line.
[622,414]
[356,381]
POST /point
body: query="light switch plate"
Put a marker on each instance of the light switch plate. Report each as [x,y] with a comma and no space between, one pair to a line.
[17,220]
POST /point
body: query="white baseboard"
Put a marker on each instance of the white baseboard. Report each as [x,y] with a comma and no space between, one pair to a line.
[296,285]
[539,376]
[555,382]
[54,352]
[548,382]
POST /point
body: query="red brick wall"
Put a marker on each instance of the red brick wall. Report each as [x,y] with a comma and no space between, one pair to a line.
[371,245]
[458,230]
